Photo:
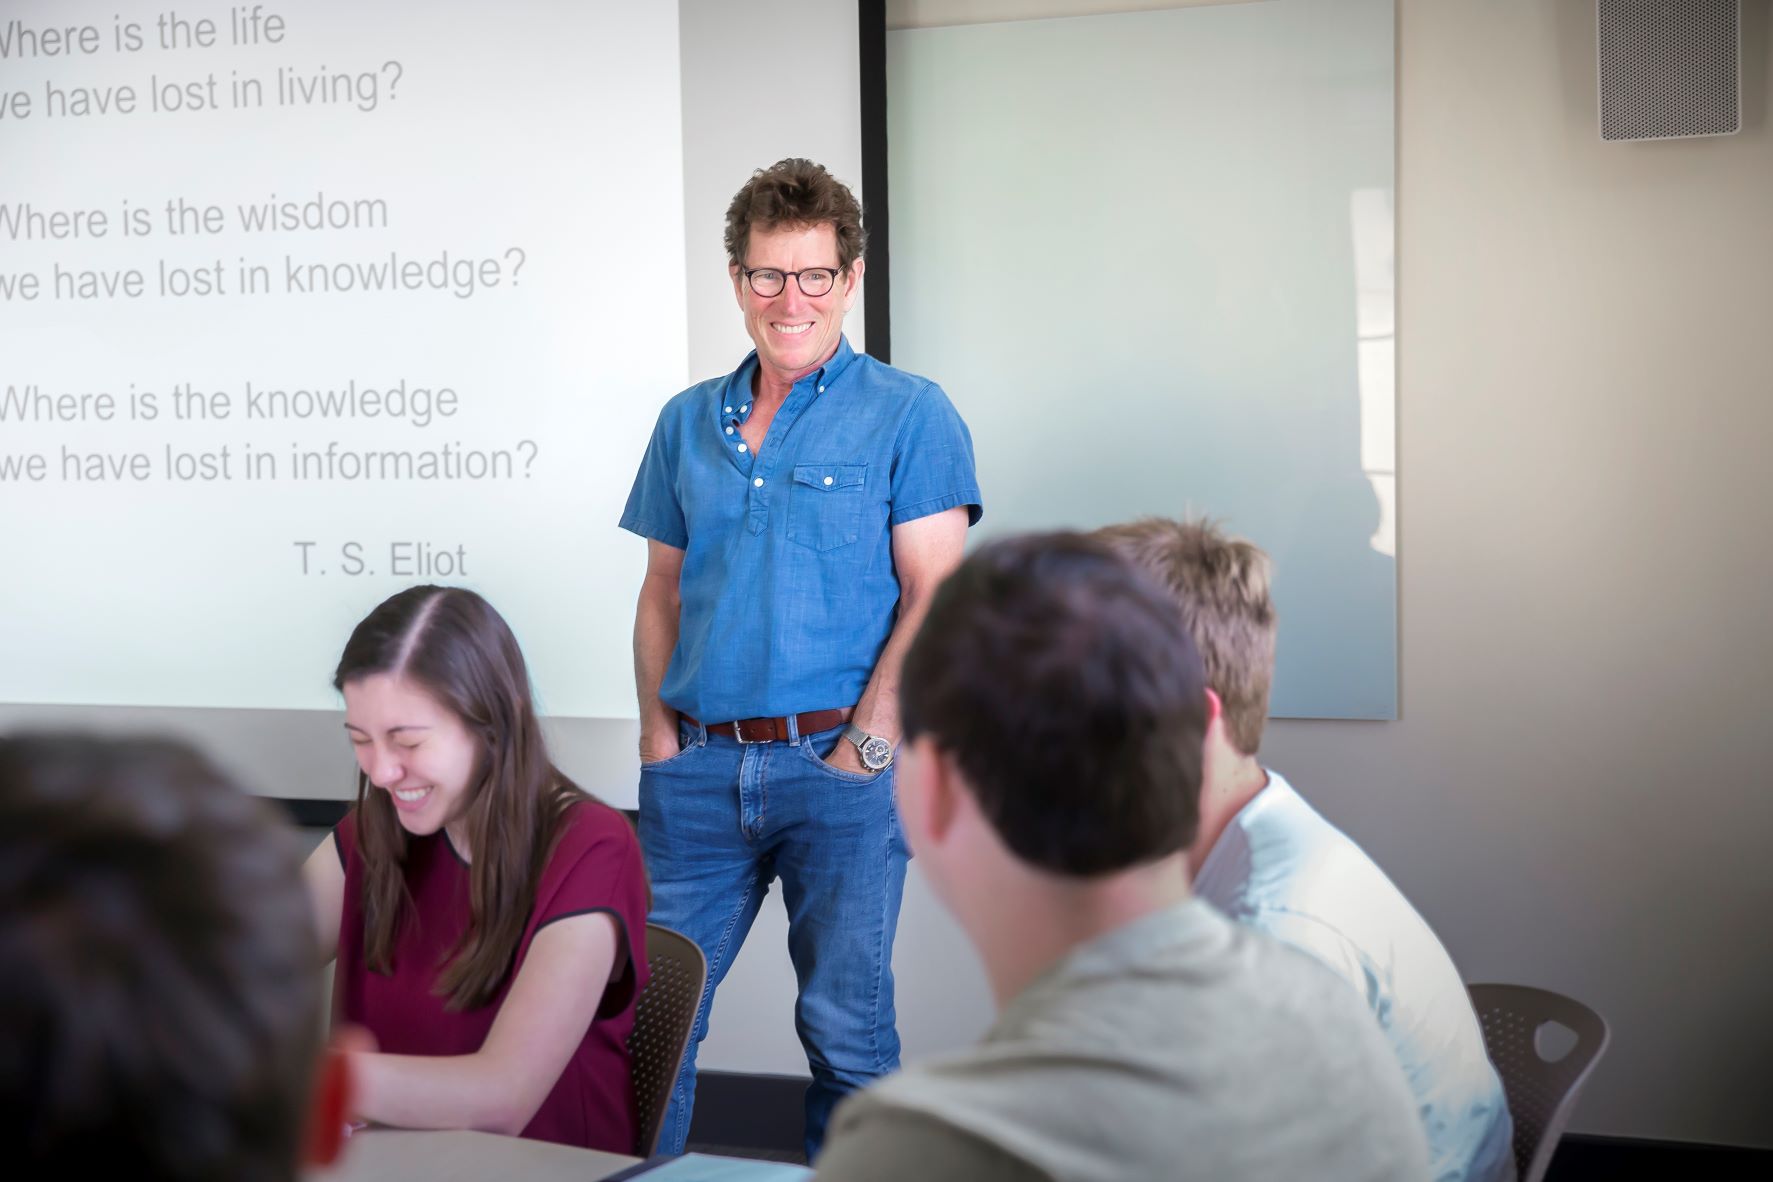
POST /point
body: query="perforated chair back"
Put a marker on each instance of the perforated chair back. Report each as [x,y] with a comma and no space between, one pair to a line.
[663,1016]
[1541,1091]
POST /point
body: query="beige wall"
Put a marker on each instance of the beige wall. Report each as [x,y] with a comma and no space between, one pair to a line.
[1580,792]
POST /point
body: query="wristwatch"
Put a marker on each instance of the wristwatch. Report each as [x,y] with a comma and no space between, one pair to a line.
[877,753]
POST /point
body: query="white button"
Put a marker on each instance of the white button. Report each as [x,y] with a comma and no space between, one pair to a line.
[729,430]
[729,410]
[746,407]
[758,482]
[828,480]
[821,389]
[742,447]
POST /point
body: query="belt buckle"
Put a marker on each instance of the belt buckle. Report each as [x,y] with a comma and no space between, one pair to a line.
[739,731]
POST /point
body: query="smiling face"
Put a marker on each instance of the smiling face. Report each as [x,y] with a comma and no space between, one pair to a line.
[795,333]
[412,747]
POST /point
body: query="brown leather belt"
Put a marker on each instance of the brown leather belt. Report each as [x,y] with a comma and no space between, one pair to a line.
[771,730]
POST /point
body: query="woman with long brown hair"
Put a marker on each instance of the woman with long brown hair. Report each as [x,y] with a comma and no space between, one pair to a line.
[489,916]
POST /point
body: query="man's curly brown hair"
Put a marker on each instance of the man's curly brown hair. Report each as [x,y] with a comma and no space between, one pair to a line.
[793,193]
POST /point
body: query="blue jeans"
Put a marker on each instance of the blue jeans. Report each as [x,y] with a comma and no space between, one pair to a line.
[718,822]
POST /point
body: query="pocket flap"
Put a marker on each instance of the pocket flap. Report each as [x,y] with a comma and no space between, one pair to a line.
[831,477]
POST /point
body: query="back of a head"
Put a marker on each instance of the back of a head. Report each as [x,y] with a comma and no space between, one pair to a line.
[1221,583]
[1061,680]
[157,967]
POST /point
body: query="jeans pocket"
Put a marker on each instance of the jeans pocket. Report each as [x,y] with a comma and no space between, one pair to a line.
[689,744]
[825,504]
[837,773]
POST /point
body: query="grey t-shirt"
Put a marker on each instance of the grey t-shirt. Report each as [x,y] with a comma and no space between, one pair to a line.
[1177,1047]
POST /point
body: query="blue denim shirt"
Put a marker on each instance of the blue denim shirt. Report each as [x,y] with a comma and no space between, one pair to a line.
[788,587]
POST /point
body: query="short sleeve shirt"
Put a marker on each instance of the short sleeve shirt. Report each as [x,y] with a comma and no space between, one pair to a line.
[596,867]
[788,588]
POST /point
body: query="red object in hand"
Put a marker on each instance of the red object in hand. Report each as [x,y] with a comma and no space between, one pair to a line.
[328,1116]
[330,1110]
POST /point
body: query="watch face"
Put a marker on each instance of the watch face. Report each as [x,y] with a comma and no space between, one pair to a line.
[876,753]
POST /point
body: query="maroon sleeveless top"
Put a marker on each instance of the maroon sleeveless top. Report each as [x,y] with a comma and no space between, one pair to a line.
[595,867]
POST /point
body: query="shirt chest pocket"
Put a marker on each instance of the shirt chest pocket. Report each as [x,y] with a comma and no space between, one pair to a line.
[825,504]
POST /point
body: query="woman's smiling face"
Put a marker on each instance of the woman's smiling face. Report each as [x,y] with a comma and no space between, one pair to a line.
[412,747]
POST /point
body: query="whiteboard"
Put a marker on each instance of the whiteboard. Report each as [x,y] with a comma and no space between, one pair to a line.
[1150,257]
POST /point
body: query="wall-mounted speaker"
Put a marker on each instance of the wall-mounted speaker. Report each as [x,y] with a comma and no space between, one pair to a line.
[1669,69]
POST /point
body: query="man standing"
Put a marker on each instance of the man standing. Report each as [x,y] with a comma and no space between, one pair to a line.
[798,513]
[1054,715]
[1269,860]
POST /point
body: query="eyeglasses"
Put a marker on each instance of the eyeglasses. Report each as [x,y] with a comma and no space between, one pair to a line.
[768,282]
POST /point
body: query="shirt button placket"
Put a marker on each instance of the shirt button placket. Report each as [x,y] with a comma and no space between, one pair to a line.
[759,519]
[762,476]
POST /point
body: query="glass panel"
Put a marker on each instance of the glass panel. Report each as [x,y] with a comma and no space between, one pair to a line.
[1150,256]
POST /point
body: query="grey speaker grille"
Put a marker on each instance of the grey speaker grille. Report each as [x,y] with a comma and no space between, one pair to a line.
[1669,68]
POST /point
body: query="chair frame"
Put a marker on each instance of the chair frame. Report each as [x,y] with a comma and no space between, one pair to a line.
[664,944]
[1539,1006]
